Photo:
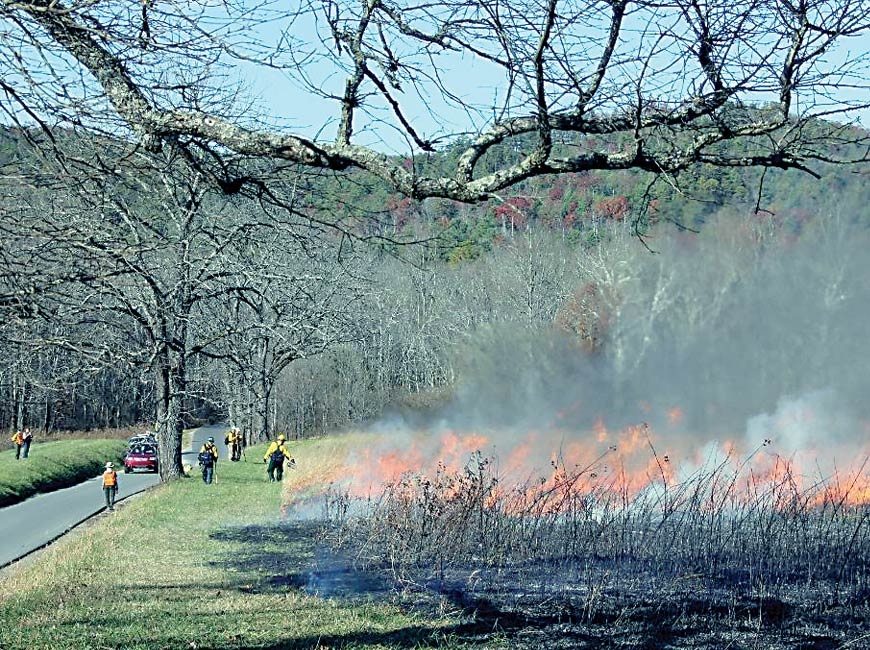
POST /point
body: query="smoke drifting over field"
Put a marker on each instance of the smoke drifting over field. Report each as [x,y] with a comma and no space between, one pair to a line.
[748,343]
[713,447]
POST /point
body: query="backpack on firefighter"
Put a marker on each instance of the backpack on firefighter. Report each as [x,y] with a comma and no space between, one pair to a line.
[206,459]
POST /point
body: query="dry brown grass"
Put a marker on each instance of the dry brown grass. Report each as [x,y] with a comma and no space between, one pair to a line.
[122,433]
[601,562]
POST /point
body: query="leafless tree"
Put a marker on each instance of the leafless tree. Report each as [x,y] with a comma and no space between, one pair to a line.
[125,247]
[294,300]
[567,85]
[48,382]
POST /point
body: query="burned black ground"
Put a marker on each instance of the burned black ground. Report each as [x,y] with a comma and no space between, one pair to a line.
[583,602]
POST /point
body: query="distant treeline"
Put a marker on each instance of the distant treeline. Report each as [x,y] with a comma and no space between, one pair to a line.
[145,296]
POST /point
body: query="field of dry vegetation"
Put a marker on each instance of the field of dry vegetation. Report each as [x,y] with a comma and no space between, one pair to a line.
[724,558]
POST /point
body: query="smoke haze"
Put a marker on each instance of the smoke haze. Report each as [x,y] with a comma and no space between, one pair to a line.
[740,337]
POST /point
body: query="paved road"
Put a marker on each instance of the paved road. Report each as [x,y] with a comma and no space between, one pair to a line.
[28,526]
[31,524]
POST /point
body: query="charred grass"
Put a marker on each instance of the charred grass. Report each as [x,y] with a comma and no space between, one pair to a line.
[718,560]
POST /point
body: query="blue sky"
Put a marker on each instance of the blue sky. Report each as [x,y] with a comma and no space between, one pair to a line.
[300,111]
[278,101]
[472,81]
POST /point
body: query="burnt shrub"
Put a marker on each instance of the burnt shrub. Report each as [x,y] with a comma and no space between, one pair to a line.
[762,547]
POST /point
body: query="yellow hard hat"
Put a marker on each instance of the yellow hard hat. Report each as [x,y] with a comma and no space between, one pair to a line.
[281,436]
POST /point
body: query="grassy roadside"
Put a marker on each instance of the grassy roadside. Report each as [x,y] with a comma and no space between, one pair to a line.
[54,465]
[195,566]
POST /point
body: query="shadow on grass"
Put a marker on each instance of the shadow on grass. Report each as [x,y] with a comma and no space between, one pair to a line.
[151,631]
[291,556]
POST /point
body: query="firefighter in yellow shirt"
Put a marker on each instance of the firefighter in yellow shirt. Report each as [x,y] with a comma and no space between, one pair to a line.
[208,457]
[276,454]
[234,440]
[18,440]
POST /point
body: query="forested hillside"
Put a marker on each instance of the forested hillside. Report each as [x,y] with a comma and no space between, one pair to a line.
[147,295]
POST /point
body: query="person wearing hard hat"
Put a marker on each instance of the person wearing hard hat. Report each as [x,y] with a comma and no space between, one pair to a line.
[110,485]
[276,454]
[208,456]
[234,441]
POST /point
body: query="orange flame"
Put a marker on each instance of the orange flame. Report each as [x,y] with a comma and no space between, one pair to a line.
[628,462]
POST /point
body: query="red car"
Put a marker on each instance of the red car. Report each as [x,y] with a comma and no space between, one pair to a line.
[141,457]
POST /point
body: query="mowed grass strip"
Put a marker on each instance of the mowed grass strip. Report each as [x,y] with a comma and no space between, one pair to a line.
[54,465]
[189,565]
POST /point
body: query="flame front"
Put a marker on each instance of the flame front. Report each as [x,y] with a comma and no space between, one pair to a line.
[631,463]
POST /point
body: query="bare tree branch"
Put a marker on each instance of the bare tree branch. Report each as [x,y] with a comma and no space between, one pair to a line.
[690,82]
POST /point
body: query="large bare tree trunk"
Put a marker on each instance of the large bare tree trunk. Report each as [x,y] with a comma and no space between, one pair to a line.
[170,421]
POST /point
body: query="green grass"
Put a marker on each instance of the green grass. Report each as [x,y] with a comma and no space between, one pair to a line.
[54,465]
[193,566]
